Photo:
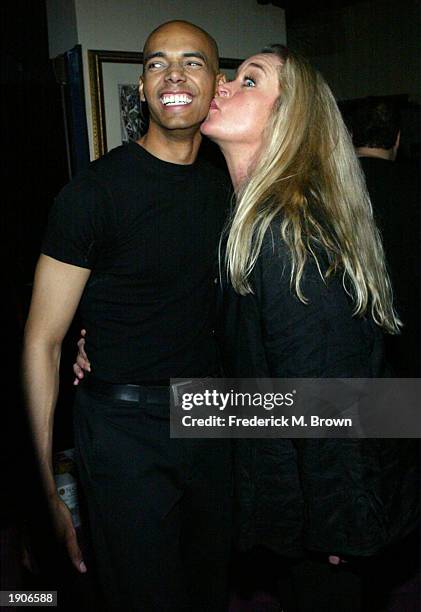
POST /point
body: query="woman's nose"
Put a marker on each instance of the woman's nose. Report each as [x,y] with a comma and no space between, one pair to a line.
[223,89]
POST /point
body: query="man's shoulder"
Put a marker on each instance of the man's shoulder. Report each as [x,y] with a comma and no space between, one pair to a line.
[390,169]
[214,176]
[101,174]
[111,164]
[392,180]
[213,171]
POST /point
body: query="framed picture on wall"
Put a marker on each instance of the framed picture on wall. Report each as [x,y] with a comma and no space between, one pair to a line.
[116,108]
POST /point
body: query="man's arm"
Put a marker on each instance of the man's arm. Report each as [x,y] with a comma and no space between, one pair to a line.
[57,291]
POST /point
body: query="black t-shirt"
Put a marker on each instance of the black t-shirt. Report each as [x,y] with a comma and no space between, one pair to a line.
[149,231]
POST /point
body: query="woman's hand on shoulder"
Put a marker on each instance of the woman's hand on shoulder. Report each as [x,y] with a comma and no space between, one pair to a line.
[82,364]
[335,560]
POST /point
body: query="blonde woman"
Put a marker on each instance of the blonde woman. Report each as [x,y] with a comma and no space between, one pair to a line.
[308,296]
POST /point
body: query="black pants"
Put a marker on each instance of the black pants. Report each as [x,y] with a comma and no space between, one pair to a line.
[159,508]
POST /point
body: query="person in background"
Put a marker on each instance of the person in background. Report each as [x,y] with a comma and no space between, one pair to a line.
[393,183]
[133,241]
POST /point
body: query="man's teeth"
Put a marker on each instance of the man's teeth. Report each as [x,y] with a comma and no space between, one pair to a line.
[173,99]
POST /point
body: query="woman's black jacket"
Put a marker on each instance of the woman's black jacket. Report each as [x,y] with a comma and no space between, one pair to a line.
[338,496]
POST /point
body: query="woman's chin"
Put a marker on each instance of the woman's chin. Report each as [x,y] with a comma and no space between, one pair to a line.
[208,132]
[206,129]
[213,131]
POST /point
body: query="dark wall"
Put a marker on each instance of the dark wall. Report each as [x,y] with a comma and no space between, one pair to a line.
[34,167]
[365,48]
[32,127]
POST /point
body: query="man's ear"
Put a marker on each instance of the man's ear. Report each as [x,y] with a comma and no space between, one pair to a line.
[141,94]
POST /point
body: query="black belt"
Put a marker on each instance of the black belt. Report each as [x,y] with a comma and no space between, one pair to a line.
[127,393]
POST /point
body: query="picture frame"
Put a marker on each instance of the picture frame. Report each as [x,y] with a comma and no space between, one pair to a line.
[114,77]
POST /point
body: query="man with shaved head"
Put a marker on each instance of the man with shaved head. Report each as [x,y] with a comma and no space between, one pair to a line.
[133,241]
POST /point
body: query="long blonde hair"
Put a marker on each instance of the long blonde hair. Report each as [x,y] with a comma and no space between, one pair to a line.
[309,175]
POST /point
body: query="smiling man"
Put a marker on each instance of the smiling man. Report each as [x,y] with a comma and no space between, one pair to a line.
[133,240]
[178,83]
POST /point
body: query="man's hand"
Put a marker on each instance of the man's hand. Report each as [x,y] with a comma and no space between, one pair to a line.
[82,364]
[66,533]
[335,560]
